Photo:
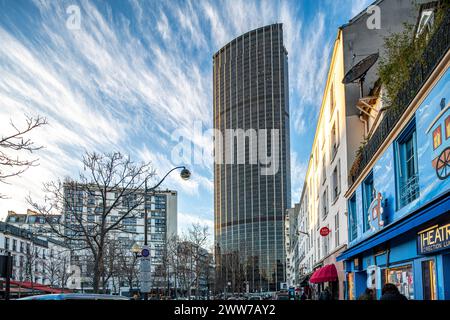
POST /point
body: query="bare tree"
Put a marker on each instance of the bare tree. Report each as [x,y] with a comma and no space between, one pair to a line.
[184,267]
[198,236]
[12,144]
[56,268]
[127,267]
[111,187]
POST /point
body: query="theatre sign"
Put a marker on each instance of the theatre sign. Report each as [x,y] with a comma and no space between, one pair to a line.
[434,239]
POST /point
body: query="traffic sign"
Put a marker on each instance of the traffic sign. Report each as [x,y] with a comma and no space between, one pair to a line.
[145,252]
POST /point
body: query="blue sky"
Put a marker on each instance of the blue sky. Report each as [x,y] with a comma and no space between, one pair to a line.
[136,71]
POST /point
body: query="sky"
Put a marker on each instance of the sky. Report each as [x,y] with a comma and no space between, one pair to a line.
[136,72]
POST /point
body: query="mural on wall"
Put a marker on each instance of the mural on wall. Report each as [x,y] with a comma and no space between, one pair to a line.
[432,127]
[440,129]
[433,141]
[375,213]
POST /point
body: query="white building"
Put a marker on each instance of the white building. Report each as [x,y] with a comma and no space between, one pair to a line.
[162,225]
[35,259]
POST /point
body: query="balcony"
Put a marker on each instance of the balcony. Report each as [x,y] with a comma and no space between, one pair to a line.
[437,47]
[409,190]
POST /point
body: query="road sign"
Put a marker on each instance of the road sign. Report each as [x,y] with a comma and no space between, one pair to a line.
[145,252]
[145,270]
[324,231]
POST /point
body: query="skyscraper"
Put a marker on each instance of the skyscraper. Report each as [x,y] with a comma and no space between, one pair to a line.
[250,93]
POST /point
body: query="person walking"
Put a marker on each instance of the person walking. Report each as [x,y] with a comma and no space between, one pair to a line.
[390,292]
[325,295]
[303,296]
[367,295]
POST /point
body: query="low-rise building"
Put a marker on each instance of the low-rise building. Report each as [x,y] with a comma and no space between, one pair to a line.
[36,259]
[399,193]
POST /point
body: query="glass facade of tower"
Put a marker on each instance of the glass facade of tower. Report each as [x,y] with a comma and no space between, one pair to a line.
[250,91]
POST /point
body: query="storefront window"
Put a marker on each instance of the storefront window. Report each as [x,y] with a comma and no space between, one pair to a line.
[429,280]
[402,277]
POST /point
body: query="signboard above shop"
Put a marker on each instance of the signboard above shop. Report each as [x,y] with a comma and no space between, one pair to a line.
[434,238]
[324,231]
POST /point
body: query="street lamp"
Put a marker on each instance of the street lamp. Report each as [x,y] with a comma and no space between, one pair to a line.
[185,174]
[136,249]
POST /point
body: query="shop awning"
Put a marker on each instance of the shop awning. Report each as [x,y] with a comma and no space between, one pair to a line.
[324,274]
[37,287]
[427,213]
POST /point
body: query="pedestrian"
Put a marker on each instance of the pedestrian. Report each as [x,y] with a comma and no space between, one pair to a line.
[367,295]
[303,296]
[390,292]
[325,295]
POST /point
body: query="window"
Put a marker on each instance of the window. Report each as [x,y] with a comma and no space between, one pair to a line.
[406,166]
[325,203]
[334,142]
[324,173]
[332,100]
[6,243]
[352,218]
[323,138]
[318,247]
[402,277]
[326,244]
[337,181]
[336,230]
[21,247]
[368,193]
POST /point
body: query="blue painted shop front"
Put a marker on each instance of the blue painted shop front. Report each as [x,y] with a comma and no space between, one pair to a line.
[399,215]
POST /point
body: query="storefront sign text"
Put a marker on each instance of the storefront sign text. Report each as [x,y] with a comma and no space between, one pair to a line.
[433,239]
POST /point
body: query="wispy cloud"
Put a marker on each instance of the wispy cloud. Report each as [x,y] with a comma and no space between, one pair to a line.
[135,72]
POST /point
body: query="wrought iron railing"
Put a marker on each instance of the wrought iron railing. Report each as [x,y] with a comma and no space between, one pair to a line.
[437,47]
[409,190]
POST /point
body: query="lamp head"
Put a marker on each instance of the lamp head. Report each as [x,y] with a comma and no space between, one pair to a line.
[135,248]
[185,174]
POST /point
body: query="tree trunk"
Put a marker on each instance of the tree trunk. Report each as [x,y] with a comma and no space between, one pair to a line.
[98,270]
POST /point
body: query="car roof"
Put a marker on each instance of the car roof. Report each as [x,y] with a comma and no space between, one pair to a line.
[75,296]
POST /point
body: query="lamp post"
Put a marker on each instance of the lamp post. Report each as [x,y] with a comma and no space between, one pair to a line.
[185,174]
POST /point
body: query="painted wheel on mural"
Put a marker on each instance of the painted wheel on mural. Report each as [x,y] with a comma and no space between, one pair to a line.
[443,164]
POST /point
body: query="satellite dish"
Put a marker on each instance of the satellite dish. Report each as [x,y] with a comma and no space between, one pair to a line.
[359,71]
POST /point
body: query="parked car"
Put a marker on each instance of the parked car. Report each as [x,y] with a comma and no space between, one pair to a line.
[255,298]
[283,296]
[75,296]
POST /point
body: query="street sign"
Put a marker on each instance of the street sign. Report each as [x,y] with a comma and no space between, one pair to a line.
[145,270]
[145,252]
[324,231]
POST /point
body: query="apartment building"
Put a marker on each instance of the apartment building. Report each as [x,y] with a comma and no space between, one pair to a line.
[162,225]
[38,260]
